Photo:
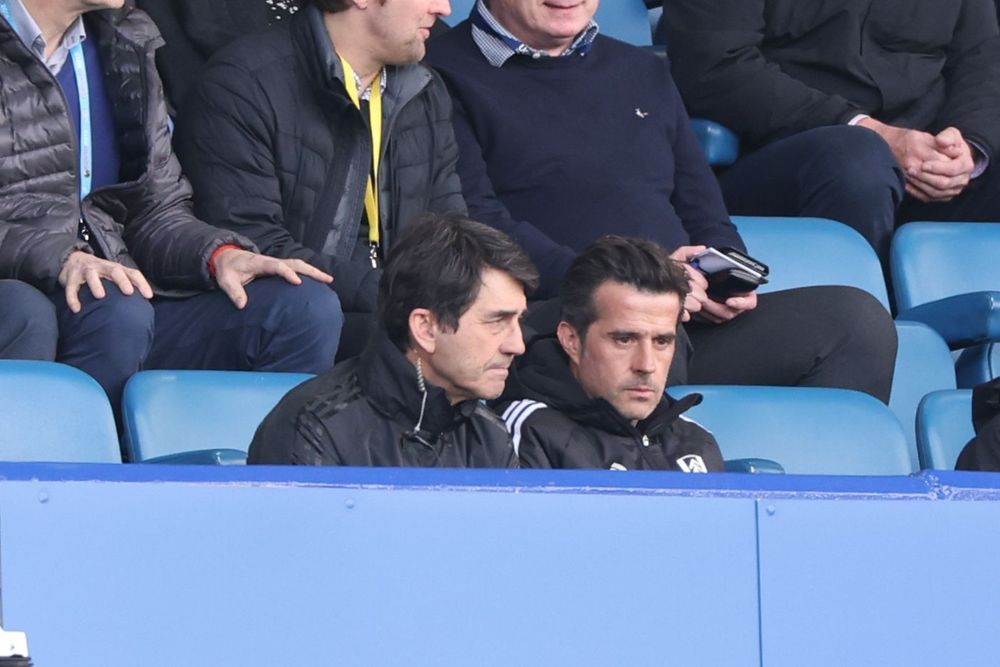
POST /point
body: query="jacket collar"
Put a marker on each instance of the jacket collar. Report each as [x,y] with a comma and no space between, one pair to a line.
[389,381]
[543,374]
[316,49]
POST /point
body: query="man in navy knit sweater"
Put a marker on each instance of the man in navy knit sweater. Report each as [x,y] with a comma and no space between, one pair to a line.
[566,135]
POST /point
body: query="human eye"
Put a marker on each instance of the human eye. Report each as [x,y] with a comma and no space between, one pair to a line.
[663,341]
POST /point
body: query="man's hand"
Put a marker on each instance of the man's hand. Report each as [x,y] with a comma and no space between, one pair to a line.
[697,303]
[941,180]
[235,268]
[83,268]
[937,168]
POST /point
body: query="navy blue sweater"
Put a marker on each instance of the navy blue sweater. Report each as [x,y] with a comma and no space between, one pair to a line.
[560,151]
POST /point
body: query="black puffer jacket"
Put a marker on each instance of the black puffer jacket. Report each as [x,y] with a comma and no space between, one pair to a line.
[144,221]
[556,425]
[269,130]
[364,413]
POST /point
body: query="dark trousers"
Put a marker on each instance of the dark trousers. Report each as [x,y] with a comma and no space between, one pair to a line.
[284,327]
[828,336]
[808,337]
[843,173]
[28,328]
[846,174]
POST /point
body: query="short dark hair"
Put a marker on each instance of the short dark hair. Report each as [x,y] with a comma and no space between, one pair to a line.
[437,264]
[329,6]
[642,264]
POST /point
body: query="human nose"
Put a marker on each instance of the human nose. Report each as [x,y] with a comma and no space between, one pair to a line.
[441,8]
[513,343]
[644,358]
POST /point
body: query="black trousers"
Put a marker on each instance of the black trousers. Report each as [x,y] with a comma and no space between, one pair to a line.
[827,336]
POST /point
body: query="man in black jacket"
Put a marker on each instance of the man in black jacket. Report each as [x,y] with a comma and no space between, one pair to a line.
[96,216]
[450,304]
[865,111]
[322,138]
[593,397]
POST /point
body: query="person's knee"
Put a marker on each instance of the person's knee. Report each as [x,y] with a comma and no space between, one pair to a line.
[860,336]
[305,322]
[28,325]
[859,164]
[125,321]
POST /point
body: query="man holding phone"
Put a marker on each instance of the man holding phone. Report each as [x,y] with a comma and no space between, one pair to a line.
[565,136]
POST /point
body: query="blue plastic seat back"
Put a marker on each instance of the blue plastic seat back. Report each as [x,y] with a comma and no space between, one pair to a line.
[172,412]
[935,260]
[54,413]
[944,425]
[804,429]
[812,251]
[923,364]
[626,20]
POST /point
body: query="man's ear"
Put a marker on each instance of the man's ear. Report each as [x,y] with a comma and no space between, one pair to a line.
[423,329]
[570,341]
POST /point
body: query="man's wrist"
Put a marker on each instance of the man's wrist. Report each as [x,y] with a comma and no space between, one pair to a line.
[218,251]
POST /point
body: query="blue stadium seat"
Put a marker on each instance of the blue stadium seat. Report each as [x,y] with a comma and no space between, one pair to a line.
[944,425]
[198,416]
[54,413]
[812,251]
[804,429]
[946,274]
[923,365]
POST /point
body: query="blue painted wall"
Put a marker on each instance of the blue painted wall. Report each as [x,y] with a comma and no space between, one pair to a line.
[147,565]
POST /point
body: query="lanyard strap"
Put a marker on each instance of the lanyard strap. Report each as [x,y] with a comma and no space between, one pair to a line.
[375,123]
[83,92]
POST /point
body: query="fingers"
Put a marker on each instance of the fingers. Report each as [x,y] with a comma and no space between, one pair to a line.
[93,280]
[233,288]
[279,268]
[686,252]
[136,278]
[718,312]
[120,278]
[306,269]
[73,296]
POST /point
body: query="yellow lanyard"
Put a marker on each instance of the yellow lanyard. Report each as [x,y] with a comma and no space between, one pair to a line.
[375,123]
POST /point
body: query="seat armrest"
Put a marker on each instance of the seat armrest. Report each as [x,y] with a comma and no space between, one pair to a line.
[218,457]
[721,145]
[962,320]
[754,466]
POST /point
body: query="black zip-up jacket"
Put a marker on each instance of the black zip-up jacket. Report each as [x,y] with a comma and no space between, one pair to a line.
[277,151]
[772,68]
[364,412]
[145,220]
[556,425]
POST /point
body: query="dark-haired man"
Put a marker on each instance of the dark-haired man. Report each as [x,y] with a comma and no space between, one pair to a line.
[322,138]
[451,300]
[593,396]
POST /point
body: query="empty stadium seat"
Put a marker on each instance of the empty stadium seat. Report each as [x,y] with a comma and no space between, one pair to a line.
[923,365]
[804,429]
[54,413]
[198,416]
[812,251]
[944,425]
[946,275]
